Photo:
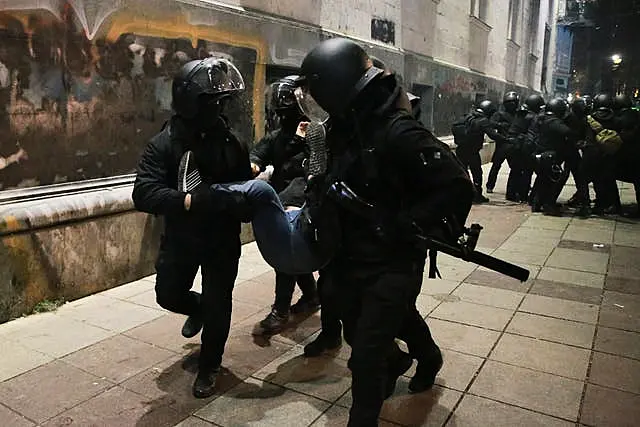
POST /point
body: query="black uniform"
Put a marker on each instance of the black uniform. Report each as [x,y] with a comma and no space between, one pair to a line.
[573,159]
[628,158]
[521,139]
[501,121]
[286,153]
[192,240]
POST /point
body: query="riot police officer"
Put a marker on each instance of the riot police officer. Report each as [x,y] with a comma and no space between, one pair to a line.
[285,149]
[555,141]
[628,121]
[407,177]
[197,234]
[577,121]
[502,120]
[522,138]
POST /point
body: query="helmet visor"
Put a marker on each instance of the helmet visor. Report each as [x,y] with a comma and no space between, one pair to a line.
[310,107]
[281,96]
[217,76]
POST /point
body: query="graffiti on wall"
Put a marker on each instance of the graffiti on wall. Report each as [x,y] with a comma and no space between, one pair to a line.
[85,83]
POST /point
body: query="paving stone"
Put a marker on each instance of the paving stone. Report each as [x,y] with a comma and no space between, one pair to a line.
[542,356]
[255,292]
[56,336]
[463,338]
[579,278]
[620,311]
[566,291]
[604,407]
[518,244]
[251,271]
[572,259]
[438,286]
[496,280]
[113,315]
[473,314]
[146,299]
[546,393]
[117,358]
[627,237]
[615,372]
[521,257]
[593,223]
[194,422]
[246,354]
[618,342]
[551,329]
[255,401]
[456,273]
[322,377]
[563,309]
[485,295]
[427,303]
[165,332]
[585,246]
[477,411]
[16,359]
[118,407]
[625,259]
[588,234]
[546,223]
[337,416]
[623,285]
[457,371]
[12,419]
[171,381]
[59,387]
[129,290]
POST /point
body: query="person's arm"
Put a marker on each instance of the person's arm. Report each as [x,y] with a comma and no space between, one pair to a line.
[151,191]
[490,129]
[262,153]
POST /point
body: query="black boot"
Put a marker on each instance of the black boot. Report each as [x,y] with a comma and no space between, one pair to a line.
[322,344]
[400,363]
[205,383]
[479,198]
[192,326]
[426,372]
[274,322]
[306,305]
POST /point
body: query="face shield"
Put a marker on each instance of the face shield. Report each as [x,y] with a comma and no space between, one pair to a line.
[217,77]
[310,107]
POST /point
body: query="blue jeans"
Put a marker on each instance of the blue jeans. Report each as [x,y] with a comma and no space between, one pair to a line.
[279,234]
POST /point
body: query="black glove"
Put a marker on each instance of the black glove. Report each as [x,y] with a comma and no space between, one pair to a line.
[201,200]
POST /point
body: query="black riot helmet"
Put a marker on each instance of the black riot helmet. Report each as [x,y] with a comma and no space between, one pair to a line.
[334,73]
[588,100]
[622,102]
[283,98]
[211,78]
[579,107]
[511,101]
[534,103]
[602,102]
[557,107]
[487,108]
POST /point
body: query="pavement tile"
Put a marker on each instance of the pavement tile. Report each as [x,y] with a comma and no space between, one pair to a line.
[627,237]
[542,392]
[457,371]
[585,246]
[194,422]
[520,244]
[520,257]
[258,402]
[542,356]
[615,372]
[626,259]
[12,419]
[56,336]
[623,285]
[430,408]
[111,314]
[573,277]
[588,234]
[603,407]
[551,329]
[117,358]
[497,280]
[473,314]
[118,407]
[566,291]
[563,309]
[59,387]
[456,273]
[620,311]
[171,381]
[246,354]
[322,377]
[165,332]
[593,223]
[146,299]
[438,286]
[485,295]
[251,271]
[255,292]
[426,303]
[618,342]
[572,259]
[16,359]
[129,290]
[546,223]
[337,416]
[462,338]
[477,411]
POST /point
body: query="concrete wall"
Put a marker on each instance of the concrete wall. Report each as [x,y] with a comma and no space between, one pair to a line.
[85,83]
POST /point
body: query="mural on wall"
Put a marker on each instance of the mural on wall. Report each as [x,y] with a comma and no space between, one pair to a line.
[85,83]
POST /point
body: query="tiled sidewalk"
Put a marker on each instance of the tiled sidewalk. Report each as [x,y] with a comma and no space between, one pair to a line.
[560,350]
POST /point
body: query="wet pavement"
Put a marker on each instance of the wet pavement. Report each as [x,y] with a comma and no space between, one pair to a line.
[562,349]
